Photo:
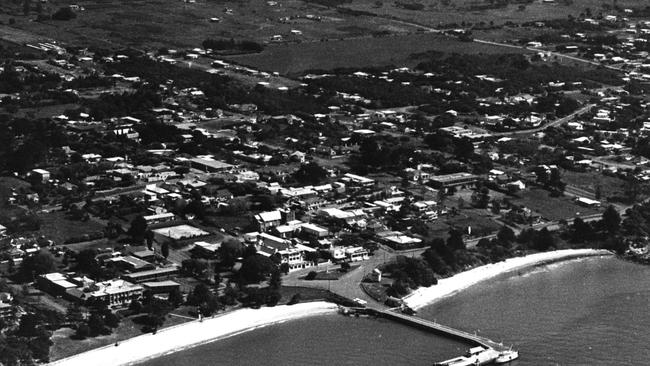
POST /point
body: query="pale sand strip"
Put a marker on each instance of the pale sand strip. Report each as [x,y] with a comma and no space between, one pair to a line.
[194,333]
[449,286]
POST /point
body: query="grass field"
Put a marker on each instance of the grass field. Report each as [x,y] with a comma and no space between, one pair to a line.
[55,226]
[609,186]
[293,59]
[435,12]
[160,23]
[552,208]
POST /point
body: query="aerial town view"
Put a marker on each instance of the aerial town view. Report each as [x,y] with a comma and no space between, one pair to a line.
[324,182]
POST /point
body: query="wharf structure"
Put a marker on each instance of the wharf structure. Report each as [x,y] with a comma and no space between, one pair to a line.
[433,327]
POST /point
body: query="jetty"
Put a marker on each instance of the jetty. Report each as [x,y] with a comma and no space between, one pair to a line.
[396,314]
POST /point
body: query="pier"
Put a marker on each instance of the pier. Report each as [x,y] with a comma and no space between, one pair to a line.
[433,327]
[440,329]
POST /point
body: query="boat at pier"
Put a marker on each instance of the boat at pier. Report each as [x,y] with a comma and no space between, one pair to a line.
[506,356]
[475,356]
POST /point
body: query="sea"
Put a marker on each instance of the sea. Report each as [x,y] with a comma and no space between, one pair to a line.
[591,311]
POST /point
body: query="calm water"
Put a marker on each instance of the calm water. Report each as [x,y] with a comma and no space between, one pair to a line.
[588,312]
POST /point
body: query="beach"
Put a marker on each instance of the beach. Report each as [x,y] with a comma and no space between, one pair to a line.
[448,286]
[173,339]
[192,334]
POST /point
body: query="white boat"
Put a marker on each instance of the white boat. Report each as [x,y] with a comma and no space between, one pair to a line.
[506,356]
[475,356]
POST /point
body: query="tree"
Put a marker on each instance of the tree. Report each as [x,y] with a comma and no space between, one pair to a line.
[255,268]
[87,263]
[37,264]
[64,13]
[276,280]
[164,249]
[481,197]
[611,219]
[230,250]
[27,4]
[310,173]
[200,294]
[82,332]
[112,320]
[138,228]
[97,325]
[175,298]
[135,306]
[74,314]
[455,240]
[506,235]
[543,240]
[29,324]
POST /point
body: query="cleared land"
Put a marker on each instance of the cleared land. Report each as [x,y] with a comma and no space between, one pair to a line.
[552,208]
[460,12]
[294,59]
[57,227]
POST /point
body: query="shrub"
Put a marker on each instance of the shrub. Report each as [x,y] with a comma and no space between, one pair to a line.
[64,13]
[294,299]
[311,275]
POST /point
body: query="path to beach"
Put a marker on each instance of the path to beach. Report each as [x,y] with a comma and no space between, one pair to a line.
[448,286]
[194,333]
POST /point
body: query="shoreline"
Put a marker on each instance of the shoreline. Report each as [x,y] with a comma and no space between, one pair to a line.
[188,335]
[449,286]
[174,339]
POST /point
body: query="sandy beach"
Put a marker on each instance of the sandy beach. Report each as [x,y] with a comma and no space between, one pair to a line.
[449,286]
[191,334]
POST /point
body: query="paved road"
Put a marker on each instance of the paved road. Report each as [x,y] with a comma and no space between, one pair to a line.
[554,123]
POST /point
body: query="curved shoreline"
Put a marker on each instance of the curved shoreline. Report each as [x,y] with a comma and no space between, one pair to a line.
[173,339]
[446,287]
[177,338]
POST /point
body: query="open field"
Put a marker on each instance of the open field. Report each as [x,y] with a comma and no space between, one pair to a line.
[552,208]
[294,59]
[159,23]
[55,226]
[460,12]
[609,186]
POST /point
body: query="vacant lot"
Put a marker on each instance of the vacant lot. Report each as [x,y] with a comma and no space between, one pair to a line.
[552,208]
[588,181]
[55,226]
[293,59]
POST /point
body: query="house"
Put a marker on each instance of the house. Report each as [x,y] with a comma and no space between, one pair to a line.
[55,283]
[154,274]
[294,256]
[268,220]
[587,202]
[206,250]
[129,263]
[159,218]
[355,254]
[161,287]
[313,231]
[454,180]
[42,174]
